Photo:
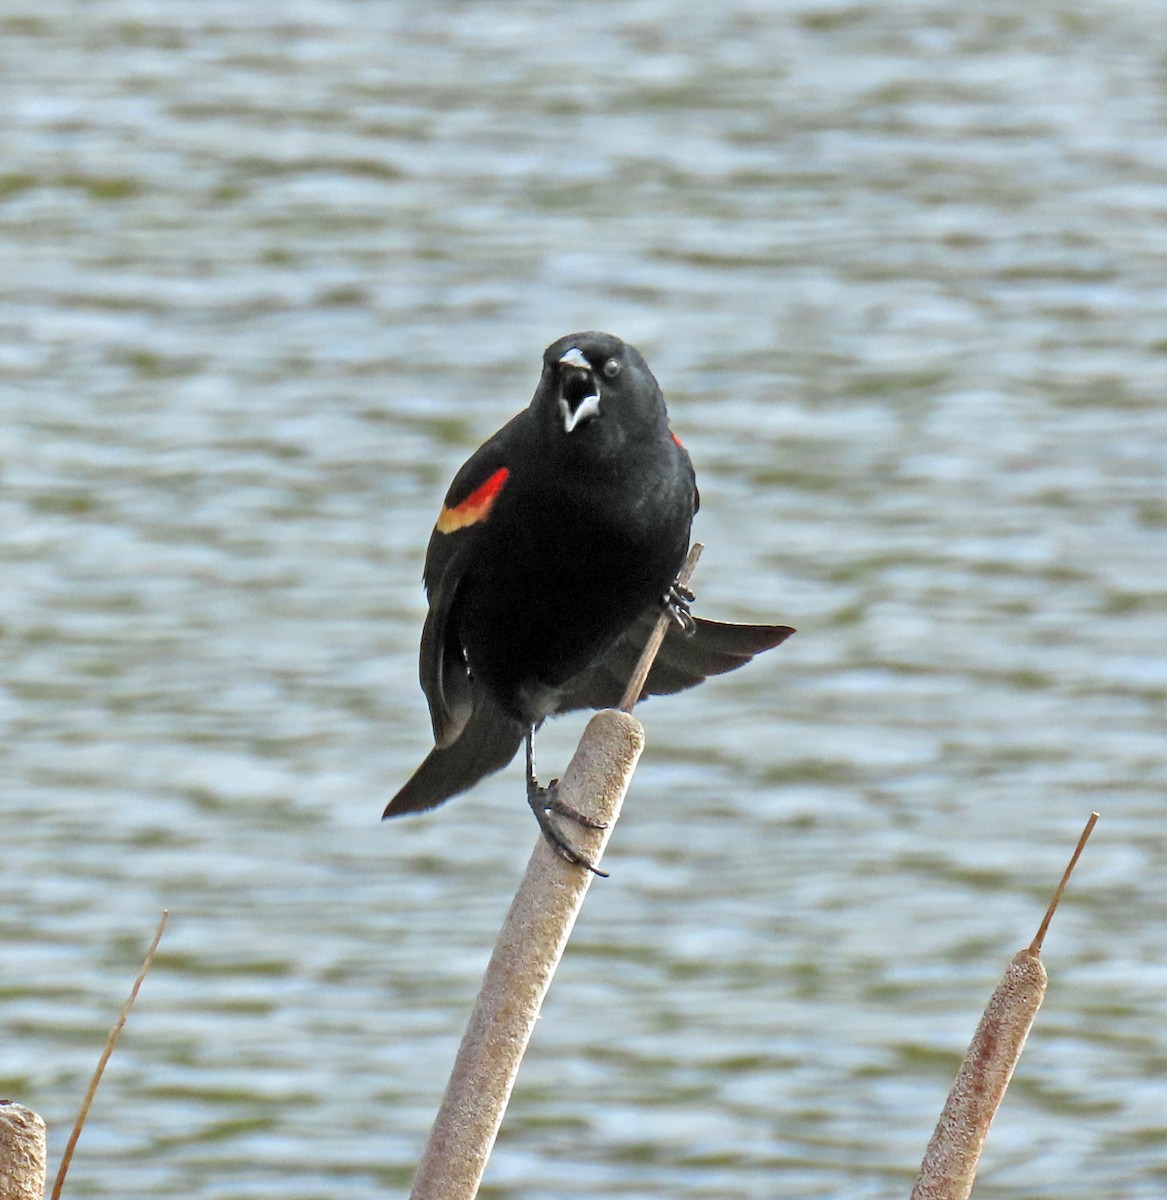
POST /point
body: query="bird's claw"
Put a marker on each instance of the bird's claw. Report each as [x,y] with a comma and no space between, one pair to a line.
[544,801]
[676,603]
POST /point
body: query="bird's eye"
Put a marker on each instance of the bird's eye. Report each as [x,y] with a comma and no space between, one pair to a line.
[611,368]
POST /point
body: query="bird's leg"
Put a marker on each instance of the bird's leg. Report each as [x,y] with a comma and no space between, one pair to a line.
[544,801]
[676,603]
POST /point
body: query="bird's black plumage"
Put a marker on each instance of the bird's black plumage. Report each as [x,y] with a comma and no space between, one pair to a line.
[557,542]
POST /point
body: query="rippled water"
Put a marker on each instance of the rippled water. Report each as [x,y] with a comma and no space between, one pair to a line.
[269,274]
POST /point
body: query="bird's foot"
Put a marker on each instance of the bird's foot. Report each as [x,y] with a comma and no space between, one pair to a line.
[544,801]
[676,603]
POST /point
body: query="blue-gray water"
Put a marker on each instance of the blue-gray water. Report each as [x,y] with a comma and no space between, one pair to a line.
[269,273]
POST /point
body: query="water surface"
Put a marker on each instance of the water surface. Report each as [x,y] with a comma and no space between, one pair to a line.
[269,276]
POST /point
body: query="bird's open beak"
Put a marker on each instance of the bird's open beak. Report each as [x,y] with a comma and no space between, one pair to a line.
[579,396]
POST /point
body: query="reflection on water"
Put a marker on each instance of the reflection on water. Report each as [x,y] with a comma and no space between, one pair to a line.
[269,277]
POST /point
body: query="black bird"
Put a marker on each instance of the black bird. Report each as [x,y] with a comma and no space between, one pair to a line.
[558,542]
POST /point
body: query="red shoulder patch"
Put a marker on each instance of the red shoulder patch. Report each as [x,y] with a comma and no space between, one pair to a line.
[476,507]
[676,439]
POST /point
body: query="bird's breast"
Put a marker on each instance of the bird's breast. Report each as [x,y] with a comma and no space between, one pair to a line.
[572,564]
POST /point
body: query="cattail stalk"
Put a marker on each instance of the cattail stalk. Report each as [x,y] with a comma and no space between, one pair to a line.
[531,943]
[528,950]
[22,1153]
[950,1162]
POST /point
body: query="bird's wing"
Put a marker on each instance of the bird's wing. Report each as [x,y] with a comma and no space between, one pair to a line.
[488,741]
[683,661]
[445,678]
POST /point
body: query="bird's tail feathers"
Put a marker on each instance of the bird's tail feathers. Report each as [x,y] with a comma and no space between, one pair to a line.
[682,662]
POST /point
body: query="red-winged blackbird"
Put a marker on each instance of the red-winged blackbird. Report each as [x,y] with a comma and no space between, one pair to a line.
[558,543]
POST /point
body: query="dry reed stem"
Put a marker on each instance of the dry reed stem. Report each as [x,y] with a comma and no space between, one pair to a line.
[110,1043]
[648,655]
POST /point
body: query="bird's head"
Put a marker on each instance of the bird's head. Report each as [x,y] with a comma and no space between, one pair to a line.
[594,387]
